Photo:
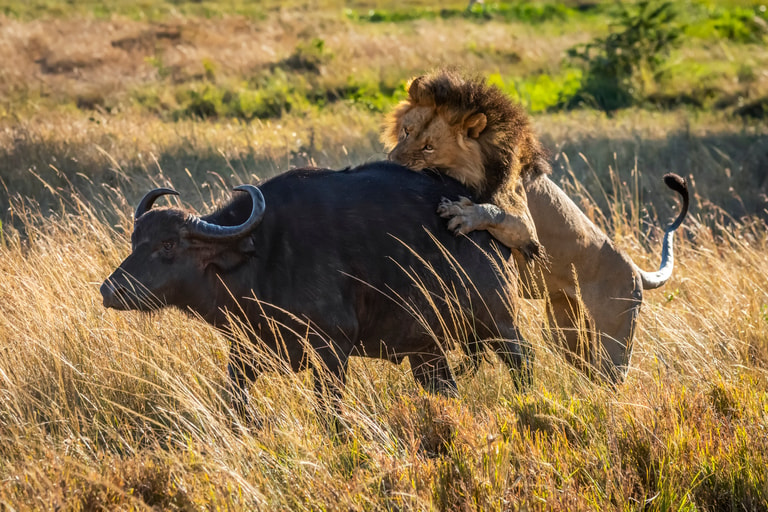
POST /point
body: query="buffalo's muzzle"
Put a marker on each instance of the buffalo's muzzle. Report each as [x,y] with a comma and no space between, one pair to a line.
[113,295]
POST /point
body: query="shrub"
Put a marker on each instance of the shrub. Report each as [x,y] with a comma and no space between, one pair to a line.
[308,56]
[616,66]
[201,102]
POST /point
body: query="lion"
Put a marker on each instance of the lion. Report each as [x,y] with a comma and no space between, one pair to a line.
[472,132]
[594,291]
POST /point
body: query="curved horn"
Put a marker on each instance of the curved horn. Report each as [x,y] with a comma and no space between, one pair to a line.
[149,199]
[204,230]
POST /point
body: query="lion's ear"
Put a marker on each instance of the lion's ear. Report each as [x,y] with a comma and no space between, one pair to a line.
[475,124]
[415,89]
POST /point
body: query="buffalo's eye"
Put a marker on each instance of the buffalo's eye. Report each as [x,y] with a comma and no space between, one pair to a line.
[168,245]
[428,148]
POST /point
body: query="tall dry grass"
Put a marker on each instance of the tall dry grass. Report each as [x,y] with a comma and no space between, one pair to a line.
[104,409]
[108,410]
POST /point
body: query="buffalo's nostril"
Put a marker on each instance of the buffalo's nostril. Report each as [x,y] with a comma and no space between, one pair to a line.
[107,290]
[107,293]
[113,295]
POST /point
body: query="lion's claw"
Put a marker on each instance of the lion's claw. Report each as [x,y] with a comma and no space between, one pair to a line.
[458,225]
[534,252]
[448,208]
[463,215]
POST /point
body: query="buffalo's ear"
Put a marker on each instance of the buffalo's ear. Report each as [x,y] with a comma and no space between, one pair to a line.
[232,256]
[475,124]
[224,256]
[416,89]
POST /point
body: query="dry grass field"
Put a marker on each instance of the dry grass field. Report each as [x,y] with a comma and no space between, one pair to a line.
[106,410]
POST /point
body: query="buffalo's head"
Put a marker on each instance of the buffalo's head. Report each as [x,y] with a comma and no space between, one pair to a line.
[175,255]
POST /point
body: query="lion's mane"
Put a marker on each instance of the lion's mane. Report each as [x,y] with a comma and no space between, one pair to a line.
[508,147]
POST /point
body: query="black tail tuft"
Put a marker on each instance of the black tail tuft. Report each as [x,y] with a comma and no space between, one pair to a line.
[678,184]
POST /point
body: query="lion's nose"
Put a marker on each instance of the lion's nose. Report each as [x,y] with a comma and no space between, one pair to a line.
[393,156]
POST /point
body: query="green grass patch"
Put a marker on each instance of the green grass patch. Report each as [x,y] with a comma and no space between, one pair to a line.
[268,96]
[739,24]
[540,93]
[526,12]
[205,100]
[143,10]
[694,84]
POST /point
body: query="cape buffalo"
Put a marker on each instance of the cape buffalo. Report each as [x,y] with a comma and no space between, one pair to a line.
[345,262]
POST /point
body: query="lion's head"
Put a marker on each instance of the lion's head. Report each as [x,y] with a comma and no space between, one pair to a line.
[465,128]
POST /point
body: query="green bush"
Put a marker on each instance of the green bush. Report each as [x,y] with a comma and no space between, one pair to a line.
[376,97]
[396,16]
[201,102]
[262,103]
[617,66]
[308,56]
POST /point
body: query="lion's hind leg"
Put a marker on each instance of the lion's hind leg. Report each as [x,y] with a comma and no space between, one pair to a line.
[597,334]
[571,327]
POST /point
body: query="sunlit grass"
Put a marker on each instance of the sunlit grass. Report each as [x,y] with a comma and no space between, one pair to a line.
[120,409]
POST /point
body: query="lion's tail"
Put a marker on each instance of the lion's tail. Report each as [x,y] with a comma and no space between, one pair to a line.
[653,280]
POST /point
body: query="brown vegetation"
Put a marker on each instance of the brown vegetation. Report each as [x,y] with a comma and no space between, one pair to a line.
[108,410]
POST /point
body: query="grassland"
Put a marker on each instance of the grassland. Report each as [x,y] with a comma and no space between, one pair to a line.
[107,410]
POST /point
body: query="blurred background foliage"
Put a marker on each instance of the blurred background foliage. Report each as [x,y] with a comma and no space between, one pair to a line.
[103,92]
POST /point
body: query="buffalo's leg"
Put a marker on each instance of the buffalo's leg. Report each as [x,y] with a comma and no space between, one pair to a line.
[432,372]
[240,374]
[516,354]
[329,380]
[495,327]
[330,375]
[475,349]
[502,336]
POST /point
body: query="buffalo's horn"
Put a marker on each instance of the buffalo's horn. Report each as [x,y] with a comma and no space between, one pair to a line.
[148,200]
[204,230]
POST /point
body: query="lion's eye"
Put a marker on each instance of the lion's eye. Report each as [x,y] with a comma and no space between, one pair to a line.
[404,134]
[428,148]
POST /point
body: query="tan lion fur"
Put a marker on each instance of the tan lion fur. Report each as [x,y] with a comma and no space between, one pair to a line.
[471,131]
[594,291]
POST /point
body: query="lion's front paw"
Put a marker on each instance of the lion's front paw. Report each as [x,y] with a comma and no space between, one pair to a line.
[448,208]
[465,216]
